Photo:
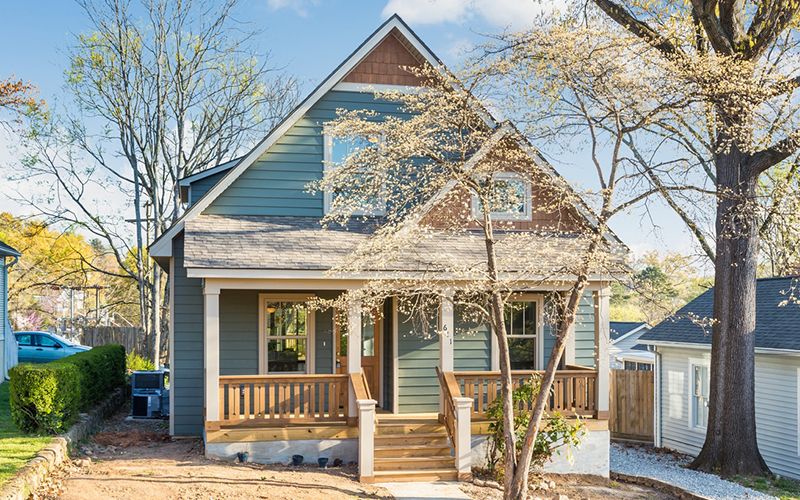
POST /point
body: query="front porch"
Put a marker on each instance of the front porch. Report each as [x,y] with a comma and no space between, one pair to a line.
[402,407]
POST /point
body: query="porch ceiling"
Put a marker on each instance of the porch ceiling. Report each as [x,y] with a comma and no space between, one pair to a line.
[300,243]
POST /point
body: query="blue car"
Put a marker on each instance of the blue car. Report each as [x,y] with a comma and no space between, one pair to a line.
[43,347]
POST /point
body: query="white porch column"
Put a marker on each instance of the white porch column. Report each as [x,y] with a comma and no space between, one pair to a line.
[463,442]
[353,350]
[366,439]
[446,339]
[211,351]
[601,339]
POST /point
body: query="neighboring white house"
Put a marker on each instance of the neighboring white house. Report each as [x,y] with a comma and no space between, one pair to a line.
[8,344]
[682,371]
[625,351]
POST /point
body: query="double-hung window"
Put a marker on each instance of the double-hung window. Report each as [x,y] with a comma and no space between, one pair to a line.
[522,330]
[337,150]
[286,328]
[699,391]
[510,198]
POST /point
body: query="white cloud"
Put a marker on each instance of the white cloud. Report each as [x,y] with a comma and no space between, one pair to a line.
[515,14]
[299,6]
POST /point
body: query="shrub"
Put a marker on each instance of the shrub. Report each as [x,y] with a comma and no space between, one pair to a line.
[102,369]
[48,397]
[134,363]
[556,431]
[44,398]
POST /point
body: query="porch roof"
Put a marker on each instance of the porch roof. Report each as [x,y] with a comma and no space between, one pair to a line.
[301,243]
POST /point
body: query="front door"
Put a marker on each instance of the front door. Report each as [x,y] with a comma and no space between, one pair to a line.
[370,352]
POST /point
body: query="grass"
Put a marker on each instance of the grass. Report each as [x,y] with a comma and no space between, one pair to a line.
[783,488]
[16,448]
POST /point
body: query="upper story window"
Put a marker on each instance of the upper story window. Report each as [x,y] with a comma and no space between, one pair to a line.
[700,385]
[337,150]
[511,198]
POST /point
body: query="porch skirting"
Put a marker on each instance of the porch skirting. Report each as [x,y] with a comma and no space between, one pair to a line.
[280,452]
[591,458]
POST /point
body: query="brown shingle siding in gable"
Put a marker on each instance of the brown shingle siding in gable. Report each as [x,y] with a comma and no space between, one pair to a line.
[385,64]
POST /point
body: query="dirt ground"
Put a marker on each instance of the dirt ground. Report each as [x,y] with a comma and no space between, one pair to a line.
[576,488]
[136,459]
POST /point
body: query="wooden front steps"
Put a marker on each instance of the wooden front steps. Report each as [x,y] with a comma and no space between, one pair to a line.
[413,450]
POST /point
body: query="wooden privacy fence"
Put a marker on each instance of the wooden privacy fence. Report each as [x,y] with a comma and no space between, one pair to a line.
[574,390]
[130,337]
[631,405]
[273,399]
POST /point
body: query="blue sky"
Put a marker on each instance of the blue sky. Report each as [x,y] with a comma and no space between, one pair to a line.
[309,38]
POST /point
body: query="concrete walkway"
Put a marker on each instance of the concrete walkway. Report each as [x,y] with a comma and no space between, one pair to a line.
[439,490]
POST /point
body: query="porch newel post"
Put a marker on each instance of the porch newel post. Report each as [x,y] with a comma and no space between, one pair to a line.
[463,442]
[366,439]
[602,301]
[446,347]
[353,351]
[211,351]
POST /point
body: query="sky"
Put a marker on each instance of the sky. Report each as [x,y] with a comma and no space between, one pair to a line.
[309,38]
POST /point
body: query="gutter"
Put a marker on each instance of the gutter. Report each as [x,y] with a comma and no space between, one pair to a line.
[657,401]
[696,345]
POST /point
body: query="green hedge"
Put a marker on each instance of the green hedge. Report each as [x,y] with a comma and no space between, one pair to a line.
[48,397]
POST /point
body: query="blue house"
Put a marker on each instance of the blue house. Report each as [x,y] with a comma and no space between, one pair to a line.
[8,345]
[254,369]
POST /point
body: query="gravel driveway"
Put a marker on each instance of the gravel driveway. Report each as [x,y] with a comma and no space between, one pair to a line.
[639,461]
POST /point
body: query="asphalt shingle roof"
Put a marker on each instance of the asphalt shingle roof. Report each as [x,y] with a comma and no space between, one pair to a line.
[777,317]
[300,243]
[620,328]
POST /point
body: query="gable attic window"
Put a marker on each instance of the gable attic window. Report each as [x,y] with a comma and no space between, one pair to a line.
[511,198]
[337,150]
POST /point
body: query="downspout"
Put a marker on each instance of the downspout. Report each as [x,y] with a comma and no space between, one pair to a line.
[657,401]
[7,334]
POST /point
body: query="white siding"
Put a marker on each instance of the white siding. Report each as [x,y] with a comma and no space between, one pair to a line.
[776,407]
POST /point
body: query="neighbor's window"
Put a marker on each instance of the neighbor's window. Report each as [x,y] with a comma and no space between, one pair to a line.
[287,333]
[337,150]
[510,198]
[700,389]
[520,318]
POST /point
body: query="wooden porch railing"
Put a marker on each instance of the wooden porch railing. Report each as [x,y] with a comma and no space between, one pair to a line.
[574,390]
[280,399]
[450,390]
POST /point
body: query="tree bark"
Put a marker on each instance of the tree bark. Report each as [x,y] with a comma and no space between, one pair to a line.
[730,447]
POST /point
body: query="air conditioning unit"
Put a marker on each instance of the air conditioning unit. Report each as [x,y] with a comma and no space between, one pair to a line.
[150,397]
[146,406]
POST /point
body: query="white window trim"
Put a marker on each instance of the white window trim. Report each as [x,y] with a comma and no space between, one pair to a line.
[501,216]
[690,391]
[538,363]
[798,413]
[327,165]
[263,298]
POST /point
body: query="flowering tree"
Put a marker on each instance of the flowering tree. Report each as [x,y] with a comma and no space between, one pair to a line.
[437,176]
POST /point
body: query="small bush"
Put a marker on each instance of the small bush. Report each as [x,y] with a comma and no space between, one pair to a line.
[44,398]
[47,398]
[134,363]
[556,431]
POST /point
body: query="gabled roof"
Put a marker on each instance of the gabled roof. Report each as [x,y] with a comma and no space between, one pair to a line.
[7,251]
[185,182]
[623,329]
[777,318]
[162,247]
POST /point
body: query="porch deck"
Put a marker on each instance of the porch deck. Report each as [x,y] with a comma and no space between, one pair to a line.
[339,409]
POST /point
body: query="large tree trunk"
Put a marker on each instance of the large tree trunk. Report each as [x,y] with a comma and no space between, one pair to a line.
[730,447]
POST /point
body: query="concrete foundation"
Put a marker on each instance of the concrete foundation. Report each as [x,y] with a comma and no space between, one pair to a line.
[592,457]
[280,452]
